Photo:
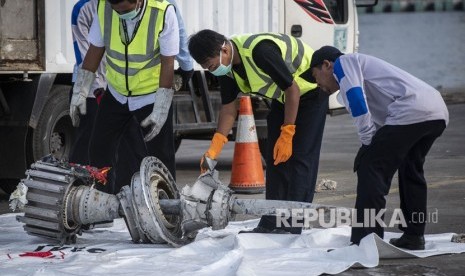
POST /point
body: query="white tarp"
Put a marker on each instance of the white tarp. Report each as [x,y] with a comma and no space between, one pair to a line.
[110,252]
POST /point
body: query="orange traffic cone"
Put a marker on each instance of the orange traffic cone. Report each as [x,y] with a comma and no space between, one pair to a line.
[247,173]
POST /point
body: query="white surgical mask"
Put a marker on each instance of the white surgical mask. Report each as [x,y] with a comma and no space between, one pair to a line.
[130,15]
[223,69]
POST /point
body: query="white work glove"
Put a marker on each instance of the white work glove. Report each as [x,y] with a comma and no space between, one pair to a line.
[161,108]
[81,89]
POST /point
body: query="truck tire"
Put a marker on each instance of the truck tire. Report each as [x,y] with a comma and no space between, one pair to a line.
[54,133]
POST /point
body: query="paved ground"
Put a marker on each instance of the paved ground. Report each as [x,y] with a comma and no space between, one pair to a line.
[444,171]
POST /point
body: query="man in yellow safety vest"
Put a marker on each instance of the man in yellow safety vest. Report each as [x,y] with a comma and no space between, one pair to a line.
[140,39]
[275,66]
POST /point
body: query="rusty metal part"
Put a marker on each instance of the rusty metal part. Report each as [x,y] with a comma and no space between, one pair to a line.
[46,214]
[458,238]
[204,204]
[87,205]
[61,200]
[262,207]
[148,187]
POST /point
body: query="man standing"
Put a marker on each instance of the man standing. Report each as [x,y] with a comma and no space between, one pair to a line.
[140,39]
[81,20]
[398,118]
[275,66]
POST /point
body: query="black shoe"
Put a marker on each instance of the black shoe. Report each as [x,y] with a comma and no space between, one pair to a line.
[280,231]
[257,229]
[410,242]
[263,230]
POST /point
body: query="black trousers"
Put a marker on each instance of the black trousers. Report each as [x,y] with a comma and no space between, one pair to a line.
[126,157]
[401,148]
[79,153]
[112,121]
[295,179]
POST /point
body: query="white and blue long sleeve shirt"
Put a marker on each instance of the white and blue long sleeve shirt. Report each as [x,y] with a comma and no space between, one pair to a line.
[184,57]
[377,93]
[81,20]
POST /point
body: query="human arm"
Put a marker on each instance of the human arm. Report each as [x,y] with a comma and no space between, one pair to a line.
[163,99]
[96,48]
[164,94]
[169,41]
[226,119]
[93,57]
[291,105]
[348,72]
[268,57]
[84,80]
[186,63]
[81,20]
[282,150]
[166,71]
[93,35]
[85,75]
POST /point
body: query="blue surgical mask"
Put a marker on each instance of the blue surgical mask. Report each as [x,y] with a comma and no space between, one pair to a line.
[223,69]
[130,15]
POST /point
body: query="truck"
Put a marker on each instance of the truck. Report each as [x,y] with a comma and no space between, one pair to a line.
[37,60]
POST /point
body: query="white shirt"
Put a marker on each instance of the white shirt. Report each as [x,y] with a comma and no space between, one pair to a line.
[169,46]
[377,93]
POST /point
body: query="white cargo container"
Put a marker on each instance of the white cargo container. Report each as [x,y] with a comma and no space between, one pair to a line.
[320,22]
[335,26]
[37,59]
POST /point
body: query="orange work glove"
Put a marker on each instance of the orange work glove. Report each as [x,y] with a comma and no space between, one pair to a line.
[214,151]
[283,148]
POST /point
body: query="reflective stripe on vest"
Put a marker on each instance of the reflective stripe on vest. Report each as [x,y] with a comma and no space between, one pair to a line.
[296,55]
[133,69]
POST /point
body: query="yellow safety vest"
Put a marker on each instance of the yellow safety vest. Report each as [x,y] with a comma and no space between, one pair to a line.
[134,68]
[296,55]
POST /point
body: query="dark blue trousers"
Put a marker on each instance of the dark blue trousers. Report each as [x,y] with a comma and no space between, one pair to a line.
[295,179]
[401,148]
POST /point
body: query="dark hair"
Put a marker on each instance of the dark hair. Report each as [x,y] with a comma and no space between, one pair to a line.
[324,53]
[114,2]
[205,44]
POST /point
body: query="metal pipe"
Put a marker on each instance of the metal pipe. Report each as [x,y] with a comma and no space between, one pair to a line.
[171,206]
[262,207]
[90,206]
